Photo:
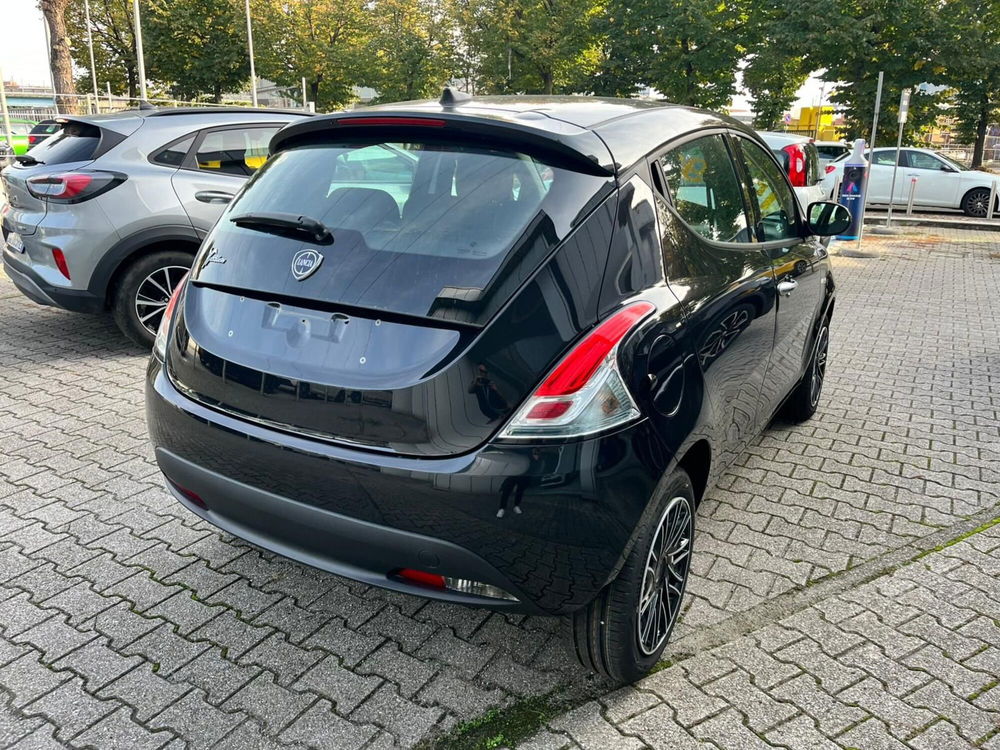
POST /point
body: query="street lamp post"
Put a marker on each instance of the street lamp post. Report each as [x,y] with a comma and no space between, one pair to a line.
[138,50]
[90,47]
[253,72]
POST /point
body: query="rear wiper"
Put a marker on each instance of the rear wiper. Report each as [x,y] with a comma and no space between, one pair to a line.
[27,160]
[283,222]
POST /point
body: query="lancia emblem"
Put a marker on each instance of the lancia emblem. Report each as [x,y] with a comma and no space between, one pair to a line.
[305,263]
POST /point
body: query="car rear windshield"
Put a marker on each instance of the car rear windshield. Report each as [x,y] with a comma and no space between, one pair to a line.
[418,226]
[76,142]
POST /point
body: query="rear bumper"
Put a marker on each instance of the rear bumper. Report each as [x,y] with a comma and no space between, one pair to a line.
[363,515]
[32,286]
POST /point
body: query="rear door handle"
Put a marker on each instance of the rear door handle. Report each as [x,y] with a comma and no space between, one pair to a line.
[213,196]
[787,287]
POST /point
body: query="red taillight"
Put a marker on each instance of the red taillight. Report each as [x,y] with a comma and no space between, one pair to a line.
[549,409]
[194,497]
[417,122]
[160,343]
[32,140]
[72,187]
[796,164]
[60,259]
[422,577]
[831,168]
[576,369]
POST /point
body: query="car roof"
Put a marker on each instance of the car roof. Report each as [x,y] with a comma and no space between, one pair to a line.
[610,133]
[127,121]
[771,136]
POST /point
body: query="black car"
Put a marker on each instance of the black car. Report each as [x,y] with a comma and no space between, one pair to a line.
[43,130]
[494,351]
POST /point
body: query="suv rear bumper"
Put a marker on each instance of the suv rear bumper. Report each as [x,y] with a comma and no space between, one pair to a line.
[364,515]
[32,286]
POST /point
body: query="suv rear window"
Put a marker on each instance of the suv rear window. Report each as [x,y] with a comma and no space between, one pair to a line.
[417,226]
[76,142]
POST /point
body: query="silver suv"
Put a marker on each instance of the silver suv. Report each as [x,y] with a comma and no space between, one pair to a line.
[108,213]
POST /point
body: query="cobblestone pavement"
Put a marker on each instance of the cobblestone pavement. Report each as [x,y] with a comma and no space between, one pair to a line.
[127,621]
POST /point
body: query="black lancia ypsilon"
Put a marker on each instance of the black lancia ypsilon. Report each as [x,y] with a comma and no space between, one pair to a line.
[494,351]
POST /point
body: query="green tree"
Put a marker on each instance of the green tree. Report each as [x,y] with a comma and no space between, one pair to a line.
[973,55]
[687,50]
[776,66]
[855,39]
[197,47]
[114,44]
[328,42]
[413,49]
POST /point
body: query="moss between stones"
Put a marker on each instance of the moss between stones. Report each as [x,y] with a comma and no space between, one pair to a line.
[500,727]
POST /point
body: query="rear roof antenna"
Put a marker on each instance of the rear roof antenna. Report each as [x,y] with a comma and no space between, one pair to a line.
[452,98]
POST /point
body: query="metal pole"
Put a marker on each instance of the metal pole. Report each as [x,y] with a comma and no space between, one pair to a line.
[871,145]
[110,102]
[913,191]
[904,105]
[993,200]
[253,72]
[305,97]
[5,114]
[138,50]
[90,46]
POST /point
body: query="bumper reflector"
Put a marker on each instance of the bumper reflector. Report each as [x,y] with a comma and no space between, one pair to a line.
[194,497]
[445,583]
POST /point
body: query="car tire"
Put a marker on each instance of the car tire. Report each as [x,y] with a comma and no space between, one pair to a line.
[804,400]
[976,203]
[605,635]
[146,286]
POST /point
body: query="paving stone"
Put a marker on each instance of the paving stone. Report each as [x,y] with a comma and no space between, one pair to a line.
[387,709]
[199,722]
[70,708]
[27,679]
[118,729]
[218,677]
[268,702]
[285,659]
[591,731]
[320,727]
[330,679]
[97,662]
[146,691]
[658,729]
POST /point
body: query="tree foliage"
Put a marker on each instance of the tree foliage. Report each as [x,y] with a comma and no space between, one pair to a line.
[114,44]
[196,46]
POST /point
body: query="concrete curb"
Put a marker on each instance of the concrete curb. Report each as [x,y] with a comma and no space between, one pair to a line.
[918,221]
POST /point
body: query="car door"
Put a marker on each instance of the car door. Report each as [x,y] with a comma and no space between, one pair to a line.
[714,266]
[217,167]
[880,175]
[937,183]
[799,263]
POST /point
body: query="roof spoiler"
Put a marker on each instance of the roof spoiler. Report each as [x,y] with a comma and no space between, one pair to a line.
[581,153]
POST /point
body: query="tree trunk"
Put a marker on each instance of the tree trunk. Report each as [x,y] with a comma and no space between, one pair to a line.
[547,82]
[217,94]
[60,59]
[982,124]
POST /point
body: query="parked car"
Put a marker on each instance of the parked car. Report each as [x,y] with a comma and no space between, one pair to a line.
[19,131]
[831,151]
[800,160]
[941,182]
[108,213]
[511,390]
[41,131]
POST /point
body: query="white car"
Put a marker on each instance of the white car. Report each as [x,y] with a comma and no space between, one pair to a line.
[831,151]
[941,182]
[801,161]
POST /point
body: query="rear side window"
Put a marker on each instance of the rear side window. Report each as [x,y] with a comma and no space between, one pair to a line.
[831,152]
[173,155]
[701,181]
[418,227]
[77,141]
[241,151]
[885,158]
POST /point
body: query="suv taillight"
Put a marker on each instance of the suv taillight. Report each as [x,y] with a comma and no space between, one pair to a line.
[585,392]
[796,164]
[72,187]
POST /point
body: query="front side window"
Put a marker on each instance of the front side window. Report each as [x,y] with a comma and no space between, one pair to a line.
[775,199]
[702,183]
[920,160]
[239,152]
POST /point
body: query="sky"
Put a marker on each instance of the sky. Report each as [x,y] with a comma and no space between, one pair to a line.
[22,51]
[23,58]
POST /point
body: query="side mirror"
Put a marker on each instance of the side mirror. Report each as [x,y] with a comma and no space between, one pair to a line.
[827,219]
